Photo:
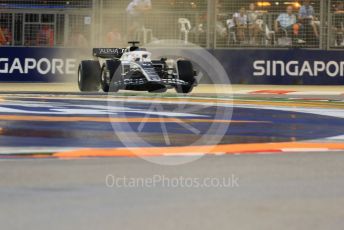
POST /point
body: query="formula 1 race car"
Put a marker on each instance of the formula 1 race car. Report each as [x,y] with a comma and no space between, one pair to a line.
[132,69]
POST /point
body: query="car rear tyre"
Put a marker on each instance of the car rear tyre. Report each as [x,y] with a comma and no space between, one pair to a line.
[89,76]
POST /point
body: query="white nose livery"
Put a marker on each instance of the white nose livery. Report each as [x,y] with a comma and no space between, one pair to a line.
[137,56]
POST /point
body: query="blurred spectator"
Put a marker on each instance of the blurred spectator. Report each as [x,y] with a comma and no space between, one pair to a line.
[338,22]
[77,39]
[113,38]
[253,27]
[2,37]
[45,37]
[339,14]
[307,18]
[240,22]
[172,4]
[5,36]
[339,6]
[136,11]
[221,29]
[286,25]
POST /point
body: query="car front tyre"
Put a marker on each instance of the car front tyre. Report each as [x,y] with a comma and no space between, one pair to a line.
[186,74]
[105,78]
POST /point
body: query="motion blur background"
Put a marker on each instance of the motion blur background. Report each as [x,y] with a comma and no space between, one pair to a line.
[299,186]
[208,23]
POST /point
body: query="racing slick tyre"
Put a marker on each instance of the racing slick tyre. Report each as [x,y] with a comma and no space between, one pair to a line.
[108,70]
[116,80]
[89,76]
[186,73]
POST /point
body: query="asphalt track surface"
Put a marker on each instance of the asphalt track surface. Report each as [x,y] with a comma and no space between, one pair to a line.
[284,156]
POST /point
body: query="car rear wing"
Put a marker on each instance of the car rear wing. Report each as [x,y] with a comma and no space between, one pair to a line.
[108,52]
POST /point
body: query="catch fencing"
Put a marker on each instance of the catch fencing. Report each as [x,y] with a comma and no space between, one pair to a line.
[207,23]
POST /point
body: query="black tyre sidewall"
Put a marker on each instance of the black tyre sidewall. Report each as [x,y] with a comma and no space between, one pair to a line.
[186,73]
[89,76]
[104,85]
[116,76]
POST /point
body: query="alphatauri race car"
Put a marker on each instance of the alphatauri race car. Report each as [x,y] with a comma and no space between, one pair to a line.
[131,68]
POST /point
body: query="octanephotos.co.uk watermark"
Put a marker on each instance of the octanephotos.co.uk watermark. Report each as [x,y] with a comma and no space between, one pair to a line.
[163,181]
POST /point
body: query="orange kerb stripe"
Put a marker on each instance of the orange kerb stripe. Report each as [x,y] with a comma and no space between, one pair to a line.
[191,150]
